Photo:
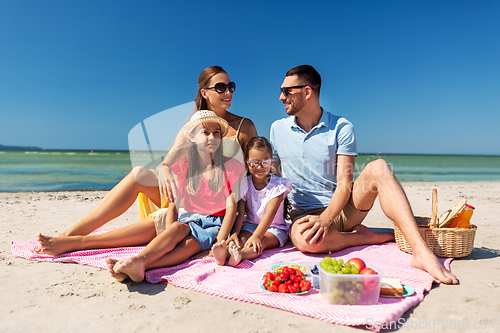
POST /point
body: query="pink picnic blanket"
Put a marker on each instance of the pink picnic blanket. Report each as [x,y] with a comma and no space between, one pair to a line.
[243,282]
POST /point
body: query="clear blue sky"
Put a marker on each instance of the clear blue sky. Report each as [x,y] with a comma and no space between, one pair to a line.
[412,76]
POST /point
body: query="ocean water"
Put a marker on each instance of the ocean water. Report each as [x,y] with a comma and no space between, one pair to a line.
[25,171]
[432,168]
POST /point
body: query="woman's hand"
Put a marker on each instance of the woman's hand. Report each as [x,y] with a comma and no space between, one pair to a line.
[166,183]
[254,242]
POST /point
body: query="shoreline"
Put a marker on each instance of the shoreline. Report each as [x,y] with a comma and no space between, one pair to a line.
[69,297]
[403,183]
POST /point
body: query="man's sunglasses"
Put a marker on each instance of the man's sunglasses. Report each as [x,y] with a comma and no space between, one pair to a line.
[286,90]
[265,162]
[222,87]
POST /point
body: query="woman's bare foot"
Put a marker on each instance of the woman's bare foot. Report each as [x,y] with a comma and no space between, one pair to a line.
[120,277]
[234,254]
[133,267]
[219,251]
[56,245]
[428,262]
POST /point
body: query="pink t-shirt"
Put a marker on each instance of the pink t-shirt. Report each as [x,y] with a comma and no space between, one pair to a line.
[257,200]
[207,201]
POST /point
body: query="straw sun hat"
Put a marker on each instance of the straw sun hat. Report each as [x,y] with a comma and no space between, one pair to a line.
[203,117]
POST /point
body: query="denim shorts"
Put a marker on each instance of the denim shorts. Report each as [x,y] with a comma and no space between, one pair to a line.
[281,234]
[204,228]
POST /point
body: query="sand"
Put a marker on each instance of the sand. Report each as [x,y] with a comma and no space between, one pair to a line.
[55,297]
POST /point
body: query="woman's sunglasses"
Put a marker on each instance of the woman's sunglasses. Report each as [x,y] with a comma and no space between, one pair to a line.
[221,87]
[265,162]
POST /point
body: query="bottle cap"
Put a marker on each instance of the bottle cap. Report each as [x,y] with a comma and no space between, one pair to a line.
[471,207]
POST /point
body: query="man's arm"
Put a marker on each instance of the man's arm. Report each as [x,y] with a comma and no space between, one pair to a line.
[314,228]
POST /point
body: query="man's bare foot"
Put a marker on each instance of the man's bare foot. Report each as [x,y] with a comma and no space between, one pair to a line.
[56,245]
[234,254]
[428,262]
[132,267]
[219,251]
[120,277]
[373,237]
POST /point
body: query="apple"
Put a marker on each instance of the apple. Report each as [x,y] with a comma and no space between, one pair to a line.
[367,270]
[370,282]
[360,264]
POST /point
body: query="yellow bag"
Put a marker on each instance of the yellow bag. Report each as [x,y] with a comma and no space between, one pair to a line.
[147,207]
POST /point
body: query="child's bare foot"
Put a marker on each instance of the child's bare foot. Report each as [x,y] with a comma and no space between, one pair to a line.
[234,254]
[428,262]
[120,277]
[56,245]
[133,267]
[219,251]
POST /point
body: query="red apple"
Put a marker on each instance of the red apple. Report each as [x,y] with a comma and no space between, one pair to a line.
[367,270]
[360,264]
[370,282]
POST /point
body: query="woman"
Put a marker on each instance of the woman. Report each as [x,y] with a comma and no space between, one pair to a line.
[215,93]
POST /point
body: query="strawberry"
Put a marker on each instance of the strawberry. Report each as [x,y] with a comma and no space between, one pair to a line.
[305,285]
[272,288]
[283,288]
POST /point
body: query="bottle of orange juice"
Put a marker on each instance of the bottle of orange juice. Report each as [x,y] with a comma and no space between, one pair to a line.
[463,218]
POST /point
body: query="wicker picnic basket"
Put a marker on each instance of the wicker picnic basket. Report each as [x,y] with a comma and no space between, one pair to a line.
[444,242]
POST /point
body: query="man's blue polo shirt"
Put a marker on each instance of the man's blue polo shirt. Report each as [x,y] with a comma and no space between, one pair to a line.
[309,160]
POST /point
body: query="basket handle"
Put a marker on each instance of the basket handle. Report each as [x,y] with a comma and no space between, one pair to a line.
[434,222]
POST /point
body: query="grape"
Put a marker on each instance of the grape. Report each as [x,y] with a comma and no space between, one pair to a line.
[339,290]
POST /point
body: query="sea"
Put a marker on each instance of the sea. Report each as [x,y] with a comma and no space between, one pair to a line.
[68,170]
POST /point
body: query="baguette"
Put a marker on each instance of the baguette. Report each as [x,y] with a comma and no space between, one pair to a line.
[391,287]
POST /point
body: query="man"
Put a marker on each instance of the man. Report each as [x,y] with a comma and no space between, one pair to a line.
[316,151]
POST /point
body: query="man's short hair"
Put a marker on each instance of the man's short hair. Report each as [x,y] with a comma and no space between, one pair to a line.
[308,75]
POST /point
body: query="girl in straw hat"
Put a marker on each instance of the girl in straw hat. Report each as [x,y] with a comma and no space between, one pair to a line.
[204,180]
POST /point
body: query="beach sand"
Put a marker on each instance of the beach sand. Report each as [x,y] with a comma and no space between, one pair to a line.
[56,297]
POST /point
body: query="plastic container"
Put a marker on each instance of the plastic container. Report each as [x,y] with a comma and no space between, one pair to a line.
[314,277]
[353,289]
[463,218]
